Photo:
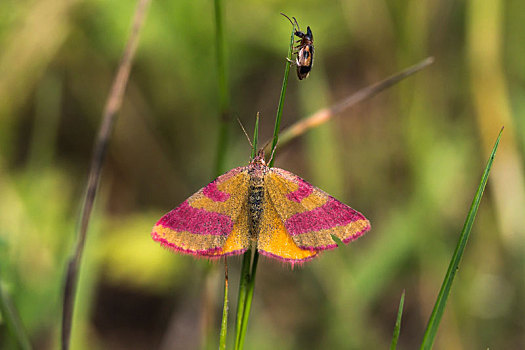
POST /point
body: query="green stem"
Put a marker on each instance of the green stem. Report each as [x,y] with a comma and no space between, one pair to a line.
[224,323]
[439,307]
[222,140]
[248,300]
[281,99]
[397,328]
[248,280]
[245,280]
[224,91]
[243,287]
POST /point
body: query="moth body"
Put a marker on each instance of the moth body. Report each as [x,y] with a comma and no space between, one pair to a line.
[256,197]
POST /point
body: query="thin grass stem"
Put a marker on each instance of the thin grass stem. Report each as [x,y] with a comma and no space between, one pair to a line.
[281,98]
[224,322]
[243,286]
[397,327]
[222,141]
[441,301]
[109,117]
[224,90]
[323,115]
[248,280]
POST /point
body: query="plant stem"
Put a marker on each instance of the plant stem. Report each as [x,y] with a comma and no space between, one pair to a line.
[247,283]
[441,301]
[112,107]
[224,91]
[222,142]
[323,115]
[281,99]
[397,327]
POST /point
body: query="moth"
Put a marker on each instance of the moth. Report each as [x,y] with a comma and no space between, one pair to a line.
[304,50]
[278,213]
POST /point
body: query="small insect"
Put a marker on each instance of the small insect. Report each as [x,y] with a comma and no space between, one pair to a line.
[304,50]
[271,209]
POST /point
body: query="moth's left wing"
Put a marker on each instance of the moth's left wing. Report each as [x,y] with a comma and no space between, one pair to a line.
[310,215]
[211,223]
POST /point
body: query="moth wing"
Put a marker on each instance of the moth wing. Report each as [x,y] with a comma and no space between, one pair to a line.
[209,223]
[310,215]
[274,240]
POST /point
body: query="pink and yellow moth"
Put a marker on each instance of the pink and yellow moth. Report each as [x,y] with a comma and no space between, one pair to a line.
[279,213]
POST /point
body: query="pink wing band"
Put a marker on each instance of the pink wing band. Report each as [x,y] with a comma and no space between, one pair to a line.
[196,221]
[304,190]
[212,192]
[332,214]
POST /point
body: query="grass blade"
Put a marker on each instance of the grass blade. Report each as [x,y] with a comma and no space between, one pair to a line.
[439,307]
[241,298]
[248,300]
[281,99]
[222,143]
[224,323]
[397,328]
[323,115]
[247,282]
[109,117]
[224,90]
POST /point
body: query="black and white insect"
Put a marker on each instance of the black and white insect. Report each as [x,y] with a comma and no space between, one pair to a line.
[304,50]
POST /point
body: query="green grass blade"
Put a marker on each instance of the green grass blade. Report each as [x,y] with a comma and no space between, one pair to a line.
[255,136]
[224,90]
[281,100]
[224,322]
[397,328]
[247,283]
[241,298]
[439,307]
[248,302]
[222,141]
[10,317]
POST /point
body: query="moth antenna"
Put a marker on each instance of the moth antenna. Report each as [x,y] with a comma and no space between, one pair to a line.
[297,24]
[289,19]
[245,133]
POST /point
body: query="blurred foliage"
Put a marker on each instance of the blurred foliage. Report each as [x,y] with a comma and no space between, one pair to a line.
[410,160]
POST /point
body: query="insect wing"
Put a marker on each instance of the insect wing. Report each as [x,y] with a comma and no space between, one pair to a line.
[310,215]
[209,222]
[305,58]
[273,239]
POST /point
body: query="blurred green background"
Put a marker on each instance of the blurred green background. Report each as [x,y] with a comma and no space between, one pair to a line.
[410,159]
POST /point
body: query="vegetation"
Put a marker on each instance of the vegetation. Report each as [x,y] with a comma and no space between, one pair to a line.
[410,159]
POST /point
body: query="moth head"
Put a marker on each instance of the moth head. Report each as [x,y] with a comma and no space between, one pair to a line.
[259,158]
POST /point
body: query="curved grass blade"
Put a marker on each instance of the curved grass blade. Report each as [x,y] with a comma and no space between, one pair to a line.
[323,115]
[439,307]
[14,325]
[397,327]
[111,109]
